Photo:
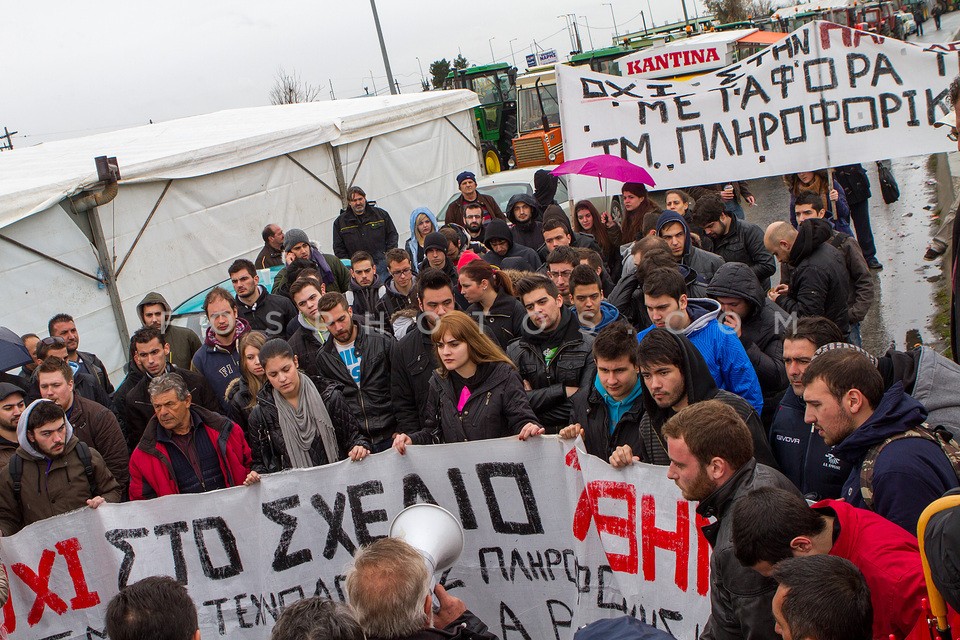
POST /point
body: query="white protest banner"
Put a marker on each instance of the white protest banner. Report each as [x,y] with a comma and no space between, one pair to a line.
[824,96]
[549,547]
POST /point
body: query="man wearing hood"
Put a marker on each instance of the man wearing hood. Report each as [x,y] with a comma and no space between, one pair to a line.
[557,232]
[500,242]
[672,227]
[676,376]
[219,359]
[334,275]
[467,183]
[11,408]
[664,294]
[400,289]
[593,312]
[758,322]
[522,211]
[57,473]
[545,192]
[263,311]
[735,240]
[552,355]
[363,227]
[154,311]
[819,282]
[898,469]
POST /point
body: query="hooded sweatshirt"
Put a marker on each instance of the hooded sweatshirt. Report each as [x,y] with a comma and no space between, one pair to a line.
[498,230]
[608,315]
[616,408]
[703,262]
[909,474]
[530,232]
[414,248]
[183,342]
[220,365]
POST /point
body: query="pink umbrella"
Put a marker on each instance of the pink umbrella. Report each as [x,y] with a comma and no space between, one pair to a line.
[607,167]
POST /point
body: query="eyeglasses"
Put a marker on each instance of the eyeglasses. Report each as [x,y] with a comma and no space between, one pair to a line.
[401,272]
[559,274]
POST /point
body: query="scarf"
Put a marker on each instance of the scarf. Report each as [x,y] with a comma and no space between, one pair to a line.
[300,426]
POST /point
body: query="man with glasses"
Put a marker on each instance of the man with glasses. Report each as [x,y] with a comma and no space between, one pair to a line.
[272,253]
[364,227]
[63,326]
[559,266]
[219,359]
[473,221]
[400,289]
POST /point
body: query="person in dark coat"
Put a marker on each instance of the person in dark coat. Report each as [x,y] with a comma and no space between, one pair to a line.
[849,408]
[63,326]
[154,311]
[636,205]
[607,412]
[467,183]
[557,232]
[732,194]
[263,311]
[819,282]
[435,247]
[218,359]
[476,394]
[299,421]
[672,227]
[242,392]
[500,242]
[735,240]
[84,384]
[366,289]
[492,302]
[332,273]
[363,227]
[11,408]
[816,182]
[523,212]
[312,331]
[400,288]
[856,187]
[272,253]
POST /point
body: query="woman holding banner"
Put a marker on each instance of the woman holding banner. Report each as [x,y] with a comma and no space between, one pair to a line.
[475,394]
[838,211]
[299,421]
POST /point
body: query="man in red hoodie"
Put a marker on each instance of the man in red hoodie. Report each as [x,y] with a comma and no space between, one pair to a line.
[770,525]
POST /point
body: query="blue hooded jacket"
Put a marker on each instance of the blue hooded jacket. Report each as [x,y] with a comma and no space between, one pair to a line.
[413,247]
[617,408]
[909,474]
[720,347]
[608,315]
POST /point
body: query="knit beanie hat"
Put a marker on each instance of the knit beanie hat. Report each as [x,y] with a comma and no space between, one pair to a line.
[466,258]
[293,237]
[465,175]
[830,346]
[435,240]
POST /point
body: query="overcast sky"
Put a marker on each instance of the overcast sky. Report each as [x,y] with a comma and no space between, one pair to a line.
[72,69]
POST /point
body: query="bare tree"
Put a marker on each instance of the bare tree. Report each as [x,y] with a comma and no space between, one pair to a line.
[762,8]
[289,88]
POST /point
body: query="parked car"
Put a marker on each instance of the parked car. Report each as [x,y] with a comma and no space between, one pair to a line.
[906,25]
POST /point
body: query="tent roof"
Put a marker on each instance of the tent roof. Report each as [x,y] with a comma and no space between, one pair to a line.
[35,178]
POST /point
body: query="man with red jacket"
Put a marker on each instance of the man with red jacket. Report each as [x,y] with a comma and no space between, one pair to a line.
[187,449]
[770,525]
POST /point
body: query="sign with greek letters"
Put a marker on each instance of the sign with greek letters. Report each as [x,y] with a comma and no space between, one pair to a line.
[554,539]
[824,96]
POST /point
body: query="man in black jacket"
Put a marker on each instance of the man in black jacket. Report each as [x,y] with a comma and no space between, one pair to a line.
[400,289]
[366,288]
[360,361]
[364,227]
[311,332]
[819,282]
[558,233]
[504,252]
[735,240]
[553,356]
[264,311]
[272,253]
[63,326]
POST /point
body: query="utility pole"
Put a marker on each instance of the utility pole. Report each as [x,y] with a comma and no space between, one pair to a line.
[686,17]
[383,50]
[589,32]
[616,33]
[513,56]
[576,32]
[490,42]
[423,79]
[397,84]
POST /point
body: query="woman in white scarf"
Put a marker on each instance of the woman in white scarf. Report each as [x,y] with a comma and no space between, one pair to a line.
[296,425]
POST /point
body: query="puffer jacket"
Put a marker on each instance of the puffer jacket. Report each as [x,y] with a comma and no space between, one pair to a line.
[497,406]
[518,255]
[819,283]
[741,600]
[370,401]
[98,428]
[504,319]
[589,410]
[414,248]
[266,437]
[572,366]
[530,232]
[183,341]
[373,232]
[269,314]
[703,262]
[744,243]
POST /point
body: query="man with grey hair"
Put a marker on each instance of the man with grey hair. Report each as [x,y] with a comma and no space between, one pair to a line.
[186,448]
[317,618]
[388,587]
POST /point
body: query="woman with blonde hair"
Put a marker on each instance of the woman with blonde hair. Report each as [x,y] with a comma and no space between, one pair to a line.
[242,392]
[475,394]
[831,194]
[422,222]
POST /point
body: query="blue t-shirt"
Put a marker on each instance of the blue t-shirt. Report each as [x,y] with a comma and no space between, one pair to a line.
[351,359]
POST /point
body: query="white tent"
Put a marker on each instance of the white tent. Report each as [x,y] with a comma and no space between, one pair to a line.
[195,194]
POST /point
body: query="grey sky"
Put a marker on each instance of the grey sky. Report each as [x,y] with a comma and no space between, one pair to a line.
[73,69]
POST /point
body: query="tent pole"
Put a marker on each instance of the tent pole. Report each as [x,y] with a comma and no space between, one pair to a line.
[341,180]
[109,274]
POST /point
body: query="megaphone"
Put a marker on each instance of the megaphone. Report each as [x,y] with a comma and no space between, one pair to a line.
[433,531]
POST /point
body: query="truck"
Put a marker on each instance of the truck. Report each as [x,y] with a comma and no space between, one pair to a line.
[495,84]
[538,140]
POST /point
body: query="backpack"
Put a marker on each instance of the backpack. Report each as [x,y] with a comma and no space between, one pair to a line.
[938,435]
[16,470]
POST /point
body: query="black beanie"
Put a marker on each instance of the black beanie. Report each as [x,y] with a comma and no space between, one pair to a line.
[435,240]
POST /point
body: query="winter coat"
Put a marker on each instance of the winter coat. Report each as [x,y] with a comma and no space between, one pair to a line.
[51,487]
[726,358]
[84,385]
[519,256]
[218,364]
[183,341]
[930,379]
[889,559]
[854,181]
[8,449]
[497,406]
[306,342]
[761,331]
[89,363]
[908,474]
[334,275]
[240,403]
[530,232]
[491,210]
[370,401]
[802,455]
[608,315]
[95,425]
[269,314]
[466,627]
[819,282]
[414,248]
[627,296]
[579,241]
[504,319]
[139,408]
[363,300]
[152,470]
[703,262]
[861,286]
[744,243]
[839,223]
[571,366]
[266,437]
[740,598]
[412,362]
[118,404]
[590,411]
[373,232]
[268,257]
[699,386]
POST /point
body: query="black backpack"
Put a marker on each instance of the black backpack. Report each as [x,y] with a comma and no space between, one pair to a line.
[16,470]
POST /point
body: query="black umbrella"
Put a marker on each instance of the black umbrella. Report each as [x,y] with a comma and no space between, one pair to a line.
[12,352]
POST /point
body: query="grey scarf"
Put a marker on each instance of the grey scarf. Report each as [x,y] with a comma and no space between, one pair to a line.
[301,425]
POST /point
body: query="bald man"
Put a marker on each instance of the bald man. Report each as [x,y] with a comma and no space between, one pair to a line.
[818,282]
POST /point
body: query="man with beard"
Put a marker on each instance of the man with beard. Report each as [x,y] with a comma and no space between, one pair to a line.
[366,288]
[332,273]
[219,359]
[735,240]
[363,227]
[11,408]
[63,326]
[553,356]
[456,212]
[52,471]
[523,213]
[473,221]
[272,253]
[711,461]
[263,311]
[154,311]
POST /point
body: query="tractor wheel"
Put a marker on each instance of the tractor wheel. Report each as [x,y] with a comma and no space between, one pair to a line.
[491,159]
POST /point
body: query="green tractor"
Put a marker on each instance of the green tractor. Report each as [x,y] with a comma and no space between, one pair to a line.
[495,84]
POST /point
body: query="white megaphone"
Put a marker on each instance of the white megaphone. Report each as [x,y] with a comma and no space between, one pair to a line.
[434,532]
